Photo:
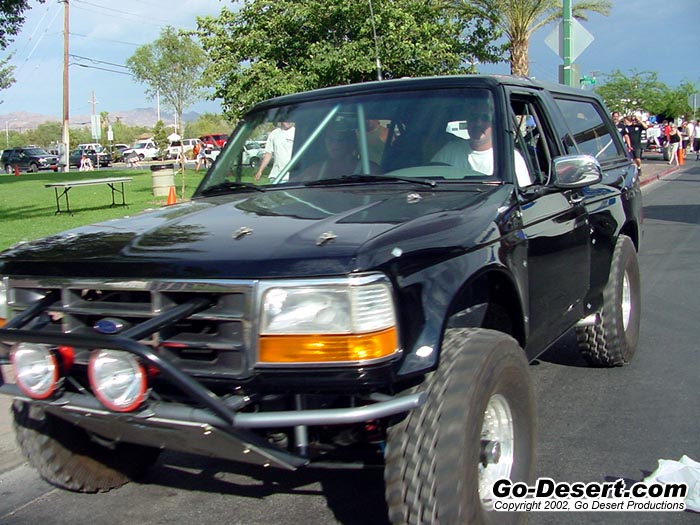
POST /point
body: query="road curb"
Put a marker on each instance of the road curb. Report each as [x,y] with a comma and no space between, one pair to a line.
[657,176]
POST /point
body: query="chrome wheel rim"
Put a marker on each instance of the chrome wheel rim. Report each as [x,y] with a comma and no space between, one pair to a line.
[626,305]
[497,447]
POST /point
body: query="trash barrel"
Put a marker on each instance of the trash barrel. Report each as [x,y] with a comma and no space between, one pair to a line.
[163,176]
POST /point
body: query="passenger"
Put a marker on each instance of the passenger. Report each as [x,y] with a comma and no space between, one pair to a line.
[376,139]
[341,156]
[476,153]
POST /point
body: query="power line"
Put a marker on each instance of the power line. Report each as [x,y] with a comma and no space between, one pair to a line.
[106,39]
[101,69]
[118,13]
[31,53]
[95,61]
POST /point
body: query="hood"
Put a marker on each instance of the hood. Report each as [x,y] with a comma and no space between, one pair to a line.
[279,233]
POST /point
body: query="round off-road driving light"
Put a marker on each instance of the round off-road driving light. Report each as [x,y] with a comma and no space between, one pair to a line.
[36,369]
[117,379]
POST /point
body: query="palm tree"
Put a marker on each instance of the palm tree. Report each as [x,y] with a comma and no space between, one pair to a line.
[519,19]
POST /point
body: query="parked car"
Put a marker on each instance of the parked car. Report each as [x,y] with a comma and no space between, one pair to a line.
[118,152]
[145,149]
[217,139]
[99,159]
[178,146]
[253,153]
[347,312]
[95,146]
[29,158]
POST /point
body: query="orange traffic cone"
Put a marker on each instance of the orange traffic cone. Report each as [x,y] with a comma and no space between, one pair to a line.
[16,170]
[172,199]
[681,157]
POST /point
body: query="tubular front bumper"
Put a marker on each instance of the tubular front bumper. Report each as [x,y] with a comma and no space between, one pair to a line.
[219,429]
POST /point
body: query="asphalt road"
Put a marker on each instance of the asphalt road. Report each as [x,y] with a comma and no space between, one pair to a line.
[594,424]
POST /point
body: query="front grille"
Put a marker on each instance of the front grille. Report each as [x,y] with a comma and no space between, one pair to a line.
[214,342]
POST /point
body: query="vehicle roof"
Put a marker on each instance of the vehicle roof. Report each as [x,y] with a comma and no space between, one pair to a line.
[446,81]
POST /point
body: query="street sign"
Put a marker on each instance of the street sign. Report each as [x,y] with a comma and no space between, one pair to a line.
[95,127]
[580,39]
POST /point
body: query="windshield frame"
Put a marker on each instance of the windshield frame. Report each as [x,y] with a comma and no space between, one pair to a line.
[356,108]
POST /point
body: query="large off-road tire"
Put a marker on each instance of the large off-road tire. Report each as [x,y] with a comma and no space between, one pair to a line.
[68,457]
[477,426]
[612,339]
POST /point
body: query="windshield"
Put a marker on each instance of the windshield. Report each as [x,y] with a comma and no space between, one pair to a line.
[36,152]
[437,134]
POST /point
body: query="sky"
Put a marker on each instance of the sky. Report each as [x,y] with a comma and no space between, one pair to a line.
[641,35]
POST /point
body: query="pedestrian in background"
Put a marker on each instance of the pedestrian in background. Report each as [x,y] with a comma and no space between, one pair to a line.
[674,143]
[620,125]
[278,148]
[690,132]
[635,128]
[200,155]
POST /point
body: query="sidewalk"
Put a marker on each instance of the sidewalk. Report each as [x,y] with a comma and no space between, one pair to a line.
[654,167]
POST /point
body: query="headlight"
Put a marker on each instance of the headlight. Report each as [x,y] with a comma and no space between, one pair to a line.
[330,322]
[117,379]
[35,368]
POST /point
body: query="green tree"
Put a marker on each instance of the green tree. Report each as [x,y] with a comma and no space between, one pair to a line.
[46,135]
[639,91]
[519,19]
[6,71]
[677,100]
[206,124]
[160,136]
[277,47]
[171,68]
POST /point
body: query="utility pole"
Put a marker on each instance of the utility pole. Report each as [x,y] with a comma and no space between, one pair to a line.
[65,135]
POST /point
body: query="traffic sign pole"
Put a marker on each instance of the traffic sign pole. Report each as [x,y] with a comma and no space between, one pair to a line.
[568,15]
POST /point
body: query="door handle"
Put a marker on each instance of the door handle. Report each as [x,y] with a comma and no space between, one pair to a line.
[576,199]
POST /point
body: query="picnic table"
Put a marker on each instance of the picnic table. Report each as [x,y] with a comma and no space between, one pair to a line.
[112,182]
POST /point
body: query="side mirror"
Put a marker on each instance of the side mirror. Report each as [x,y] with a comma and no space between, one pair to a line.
[576,171]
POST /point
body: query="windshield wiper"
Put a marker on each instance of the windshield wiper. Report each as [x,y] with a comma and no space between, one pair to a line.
[224,187]
[350,179]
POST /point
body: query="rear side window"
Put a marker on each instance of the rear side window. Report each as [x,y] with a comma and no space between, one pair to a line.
[590,130]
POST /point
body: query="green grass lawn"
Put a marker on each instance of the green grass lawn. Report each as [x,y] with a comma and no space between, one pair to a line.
[27,208]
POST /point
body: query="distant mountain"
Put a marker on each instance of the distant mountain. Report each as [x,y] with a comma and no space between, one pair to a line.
[23,120]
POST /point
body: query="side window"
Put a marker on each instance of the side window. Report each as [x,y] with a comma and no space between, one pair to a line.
[590,131]
[531,140]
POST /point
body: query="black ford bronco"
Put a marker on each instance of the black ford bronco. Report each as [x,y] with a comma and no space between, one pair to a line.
[375,300]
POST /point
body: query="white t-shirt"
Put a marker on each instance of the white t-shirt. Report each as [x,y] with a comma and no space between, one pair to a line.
[459,153]
[280,143]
